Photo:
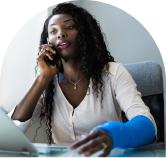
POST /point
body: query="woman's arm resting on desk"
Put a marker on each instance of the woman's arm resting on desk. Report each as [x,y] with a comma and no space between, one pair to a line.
[136,132]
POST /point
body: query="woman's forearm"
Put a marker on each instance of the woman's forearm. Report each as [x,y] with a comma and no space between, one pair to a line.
[27,105]
[136,132]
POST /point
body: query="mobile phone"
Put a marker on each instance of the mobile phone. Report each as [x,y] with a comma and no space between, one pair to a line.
[54,56]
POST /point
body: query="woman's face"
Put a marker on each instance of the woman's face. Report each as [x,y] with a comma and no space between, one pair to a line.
[63,35]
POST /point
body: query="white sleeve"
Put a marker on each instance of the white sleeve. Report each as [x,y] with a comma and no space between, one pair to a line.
[128,97]
[23,126]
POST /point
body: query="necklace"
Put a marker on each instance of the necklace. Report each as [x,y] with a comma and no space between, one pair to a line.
[75,84]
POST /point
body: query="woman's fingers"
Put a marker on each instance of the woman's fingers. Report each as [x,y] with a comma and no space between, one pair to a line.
[43,54]
[84,140]
[94,146]
[96,149]
[93,142]
[49,50]
[90,145]
[45,45]
[105,152]
[44,51]
[74,141]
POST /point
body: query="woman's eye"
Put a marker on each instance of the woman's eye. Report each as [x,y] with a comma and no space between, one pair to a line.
[52,31]
[67,27]
[70,26]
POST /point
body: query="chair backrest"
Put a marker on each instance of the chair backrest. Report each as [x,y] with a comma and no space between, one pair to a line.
[149,80]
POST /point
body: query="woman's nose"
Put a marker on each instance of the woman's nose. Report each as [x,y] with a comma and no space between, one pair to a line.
[61,35]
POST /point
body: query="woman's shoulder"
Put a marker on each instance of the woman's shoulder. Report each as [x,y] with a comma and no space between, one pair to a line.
[113,67]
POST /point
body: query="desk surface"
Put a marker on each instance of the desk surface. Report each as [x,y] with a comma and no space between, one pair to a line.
[146,151]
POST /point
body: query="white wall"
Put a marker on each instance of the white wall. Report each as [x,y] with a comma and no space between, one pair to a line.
[18,72]
[19,62]
[129,41]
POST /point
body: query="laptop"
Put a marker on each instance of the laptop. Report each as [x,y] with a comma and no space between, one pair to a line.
[14,140]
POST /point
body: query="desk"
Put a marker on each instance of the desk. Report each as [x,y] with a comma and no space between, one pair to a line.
[145,151]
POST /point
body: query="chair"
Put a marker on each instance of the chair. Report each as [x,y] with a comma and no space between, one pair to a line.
[149,80]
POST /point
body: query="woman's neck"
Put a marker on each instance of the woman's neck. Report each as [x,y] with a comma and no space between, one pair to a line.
[72,69]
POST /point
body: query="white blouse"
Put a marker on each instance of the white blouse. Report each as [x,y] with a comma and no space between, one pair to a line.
[120,93]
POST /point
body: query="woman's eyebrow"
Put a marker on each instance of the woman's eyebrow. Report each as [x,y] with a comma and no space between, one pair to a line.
[63,22]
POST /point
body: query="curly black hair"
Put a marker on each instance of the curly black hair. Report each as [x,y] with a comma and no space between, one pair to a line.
[92,50]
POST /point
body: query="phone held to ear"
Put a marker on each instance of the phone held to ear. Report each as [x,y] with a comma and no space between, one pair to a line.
[55,58]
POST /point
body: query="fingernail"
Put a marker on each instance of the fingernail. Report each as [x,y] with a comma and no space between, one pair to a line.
[71,147]
[80,151]
[87,154]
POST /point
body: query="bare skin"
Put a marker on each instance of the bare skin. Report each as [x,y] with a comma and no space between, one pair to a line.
[73,96]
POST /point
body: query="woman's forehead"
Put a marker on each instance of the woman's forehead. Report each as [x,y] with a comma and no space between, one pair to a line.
[59,18]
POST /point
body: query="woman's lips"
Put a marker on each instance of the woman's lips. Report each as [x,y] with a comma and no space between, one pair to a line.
[64,46]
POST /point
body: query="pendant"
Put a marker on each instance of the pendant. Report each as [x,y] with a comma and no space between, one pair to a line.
[75,87]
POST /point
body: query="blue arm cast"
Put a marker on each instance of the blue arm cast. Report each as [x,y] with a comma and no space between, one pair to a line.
[137,132]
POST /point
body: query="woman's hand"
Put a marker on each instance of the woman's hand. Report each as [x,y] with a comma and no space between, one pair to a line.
[94,142]
[45,67]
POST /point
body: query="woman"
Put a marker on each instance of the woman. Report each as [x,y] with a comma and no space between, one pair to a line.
[84,93]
